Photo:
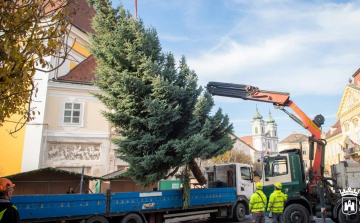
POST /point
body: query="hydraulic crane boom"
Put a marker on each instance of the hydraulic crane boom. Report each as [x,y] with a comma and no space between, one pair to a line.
[280,100]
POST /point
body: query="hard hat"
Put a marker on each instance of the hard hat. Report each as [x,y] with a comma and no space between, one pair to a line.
[5,184]
[278,185]
[258,186]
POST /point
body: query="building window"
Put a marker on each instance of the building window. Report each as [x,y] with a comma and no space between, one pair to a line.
[262,130]
[256,130]
[304,152]
[269,145]
[72,113]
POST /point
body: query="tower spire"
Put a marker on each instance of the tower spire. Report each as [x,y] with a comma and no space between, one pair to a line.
[270,119]
[257,114]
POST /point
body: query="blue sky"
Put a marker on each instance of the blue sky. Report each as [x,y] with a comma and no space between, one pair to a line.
[306,48]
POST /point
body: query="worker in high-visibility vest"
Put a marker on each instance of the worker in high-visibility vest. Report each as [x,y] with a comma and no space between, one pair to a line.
[257,204]
[8,211]
[276,203]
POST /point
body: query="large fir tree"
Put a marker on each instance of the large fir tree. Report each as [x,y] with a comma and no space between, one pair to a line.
[163,115]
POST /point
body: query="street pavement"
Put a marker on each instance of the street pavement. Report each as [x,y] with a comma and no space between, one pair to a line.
[248,220]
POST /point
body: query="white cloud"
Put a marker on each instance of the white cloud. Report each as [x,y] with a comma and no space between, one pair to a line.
[302,49]
[172,38]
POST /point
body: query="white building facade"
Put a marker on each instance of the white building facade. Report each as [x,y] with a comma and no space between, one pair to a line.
[349,115]
[70,132]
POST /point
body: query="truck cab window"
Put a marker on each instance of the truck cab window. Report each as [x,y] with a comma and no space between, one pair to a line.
[276,166]
[245,173]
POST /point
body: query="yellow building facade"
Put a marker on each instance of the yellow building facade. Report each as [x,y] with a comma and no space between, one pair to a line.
[343,137]
[334,152]
[11,147]
[349,115]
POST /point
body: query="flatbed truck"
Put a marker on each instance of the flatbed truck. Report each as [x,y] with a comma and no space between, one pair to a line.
[227,195]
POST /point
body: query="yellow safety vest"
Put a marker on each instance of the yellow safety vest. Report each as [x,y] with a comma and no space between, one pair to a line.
[276,201]
[3,211]
[258,201]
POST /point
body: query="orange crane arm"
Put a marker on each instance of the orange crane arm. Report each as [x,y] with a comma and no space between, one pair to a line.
[279,100]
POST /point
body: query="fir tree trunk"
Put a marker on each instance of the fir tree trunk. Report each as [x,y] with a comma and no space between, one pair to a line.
[195,169]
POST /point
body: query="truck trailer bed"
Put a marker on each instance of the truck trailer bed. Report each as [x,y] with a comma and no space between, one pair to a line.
[74,206]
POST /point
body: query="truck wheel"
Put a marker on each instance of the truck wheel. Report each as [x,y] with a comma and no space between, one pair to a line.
[132,218]
[239,212]
[97,219]
[354,218]
[296,213]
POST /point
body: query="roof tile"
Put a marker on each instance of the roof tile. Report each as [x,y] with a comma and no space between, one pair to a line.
[248,140]
[356,73]
[295,138]
[82,73]
[337,130]
[83,15]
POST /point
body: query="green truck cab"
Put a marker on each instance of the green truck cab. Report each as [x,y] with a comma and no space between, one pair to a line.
[284,168]
[287,167]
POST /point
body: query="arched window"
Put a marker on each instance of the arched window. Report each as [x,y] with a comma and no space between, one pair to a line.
[256,130]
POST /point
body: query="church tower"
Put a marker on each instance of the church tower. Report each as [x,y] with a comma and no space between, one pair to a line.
[271,134]
[271,126]
[258,131]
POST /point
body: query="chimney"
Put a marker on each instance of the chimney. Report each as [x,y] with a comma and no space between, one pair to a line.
[356,77]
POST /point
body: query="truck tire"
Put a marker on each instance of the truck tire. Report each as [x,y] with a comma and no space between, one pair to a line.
[132,218]
[97,219]
[296,213]
[342,218]
[239,212]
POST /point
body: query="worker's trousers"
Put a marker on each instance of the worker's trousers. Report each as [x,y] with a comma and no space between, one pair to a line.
[277,218]
[258,217]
